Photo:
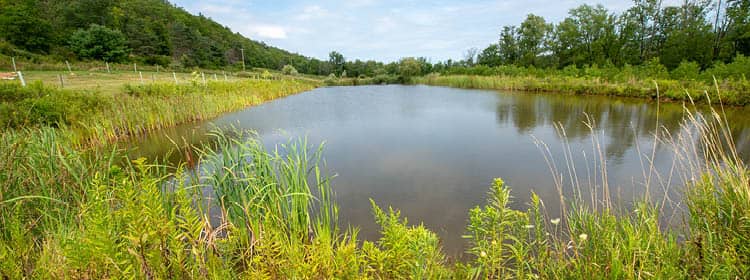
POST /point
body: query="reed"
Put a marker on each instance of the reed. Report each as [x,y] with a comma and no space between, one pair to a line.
[734,92]
[247,211]
[90,117]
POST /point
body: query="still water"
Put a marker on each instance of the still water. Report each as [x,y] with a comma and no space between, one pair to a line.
[432,152]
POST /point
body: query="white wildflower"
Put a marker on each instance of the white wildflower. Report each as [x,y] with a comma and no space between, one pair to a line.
[555,221]
[583,236]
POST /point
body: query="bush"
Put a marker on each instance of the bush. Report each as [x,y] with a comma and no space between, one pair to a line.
[687,70]
[37,105]
[289,70]
[99,42]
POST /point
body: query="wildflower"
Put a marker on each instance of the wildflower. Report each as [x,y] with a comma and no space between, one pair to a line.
[555,221]
[529,226]
[583,236]
[482,254]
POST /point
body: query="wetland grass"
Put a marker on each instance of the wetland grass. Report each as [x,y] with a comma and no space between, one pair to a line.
[734,92]
[249,212]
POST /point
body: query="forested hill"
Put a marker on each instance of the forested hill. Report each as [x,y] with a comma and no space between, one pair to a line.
[147,31]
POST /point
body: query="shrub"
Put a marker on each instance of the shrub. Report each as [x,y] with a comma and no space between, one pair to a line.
[289,70]
[99,42]
[687,70]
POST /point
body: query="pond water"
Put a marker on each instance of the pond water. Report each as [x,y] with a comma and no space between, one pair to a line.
[432,152]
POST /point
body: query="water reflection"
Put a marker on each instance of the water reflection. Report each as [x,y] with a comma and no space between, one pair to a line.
[432,152]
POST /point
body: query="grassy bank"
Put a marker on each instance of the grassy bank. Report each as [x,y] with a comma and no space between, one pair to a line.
[94,116]
[733,92]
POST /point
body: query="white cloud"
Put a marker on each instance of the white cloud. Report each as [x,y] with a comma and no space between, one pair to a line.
[385,24]
[216,9]
[268,31]
[312,12]
[360,3]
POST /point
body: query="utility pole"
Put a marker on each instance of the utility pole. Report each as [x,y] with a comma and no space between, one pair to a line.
[243,59]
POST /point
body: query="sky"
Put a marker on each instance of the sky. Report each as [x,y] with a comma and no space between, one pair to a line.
[382,30]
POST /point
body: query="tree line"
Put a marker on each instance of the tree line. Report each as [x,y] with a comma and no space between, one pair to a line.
[700,31]
[145,31]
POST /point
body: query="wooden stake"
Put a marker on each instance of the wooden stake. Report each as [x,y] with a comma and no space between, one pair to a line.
[20,77]
[14,64]
[141,74]
[215,79]
[135,67]
[107,67]
[175,77]
[225,75]
[62,82]
[69,69]
[204,78]
[243,59]
[157,68]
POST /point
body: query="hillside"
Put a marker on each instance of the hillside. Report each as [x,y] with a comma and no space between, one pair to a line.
[150,31]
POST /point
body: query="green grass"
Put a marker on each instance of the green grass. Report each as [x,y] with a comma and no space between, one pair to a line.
[96,117]
[69,214]
[733,92]
[248,212]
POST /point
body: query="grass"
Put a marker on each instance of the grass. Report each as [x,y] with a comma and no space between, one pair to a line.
[96,117]
[249,212]
[113,82]
[734,92]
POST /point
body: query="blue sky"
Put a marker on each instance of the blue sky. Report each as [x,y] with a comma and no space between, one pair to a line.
[383,30]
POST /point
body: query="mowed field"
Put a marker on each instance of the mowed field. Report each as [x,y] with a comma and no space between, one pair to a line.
[114,81]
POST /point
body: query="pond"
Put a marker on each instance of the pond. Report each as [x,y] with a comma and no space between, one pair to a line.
[432,152]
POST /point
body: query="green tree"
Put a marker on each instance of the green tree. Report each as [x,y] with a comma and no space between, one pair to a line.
[640,26]
[686,35]
[99,42]
[586,36]
[21,25]
[490,56]
[508,45]
[337,61]
[532,38]
[738,30]
[409,67]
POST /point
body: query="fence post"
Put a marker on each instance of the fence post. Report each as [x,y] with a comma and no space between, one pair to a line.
[69,69]
[215,79]
[175,77]
[157,68]
[20,77]
[62,82]
[141,75]
[108,72]
[14,64]
[204,78]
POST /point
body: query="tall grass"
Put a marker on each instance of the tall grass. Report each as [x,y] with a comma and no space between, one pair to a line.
[735,92]
[91,117]
[251,212]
